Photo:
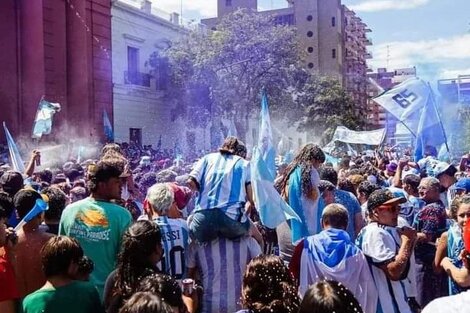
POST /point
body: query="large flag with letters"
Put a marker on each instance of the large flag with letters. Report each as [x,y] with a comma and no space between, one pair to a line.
[43,120]
[15,157]
[405,99]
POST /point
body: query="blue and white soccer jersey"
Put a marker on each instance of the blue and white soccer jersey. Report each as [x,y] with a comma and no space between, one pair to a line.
[381,244]
[175,242]
[222,263]
[222,179]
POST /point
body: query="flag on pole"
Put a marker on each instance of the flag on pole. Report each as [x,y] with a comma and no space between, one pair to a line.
[265,139]
[15,157]
[273,210]
[232,129]
[430,130]
[43,121]
[159,143]
[405,99]
[108,127]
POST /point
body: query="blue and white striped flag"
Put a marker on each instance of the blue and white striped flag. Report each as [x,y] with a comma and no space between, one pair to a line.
[43,121]
[273,210]
[108,127]
[265,139]
[232,129]
[430,130]
[15,157]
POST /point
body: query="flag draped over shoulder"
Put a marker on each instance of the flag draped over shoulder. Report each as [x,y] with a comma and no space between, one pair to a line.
[430,130]
[405,99]
[273,210]
[108,127]
[15,157]
[331,255]
[43,121]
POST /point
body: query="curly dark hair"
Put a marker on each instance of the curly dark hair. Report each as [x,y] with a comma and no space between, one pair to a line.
[145,302]
[328,173]
[57,202]
[268,286]
[139,242]
[328,296]
[165,287]
[310,152]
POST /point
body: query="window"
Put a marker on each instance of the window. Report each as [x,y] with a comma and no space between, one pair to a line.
[333,53]
[310,65]
[132,59]
[135,136]
[309,18]
[333,21]
[309,33]
[228,3]
[310,49]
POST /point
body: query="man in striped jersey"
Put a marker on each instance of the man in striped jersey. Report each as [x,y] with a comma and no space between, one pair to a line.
[161,207]
[223,182]
[388,250]
[221,264]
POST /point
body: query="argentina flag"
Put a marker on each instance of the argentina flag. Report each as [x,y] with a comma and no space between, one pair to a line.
[331,255]
[108,128]
[43,121]
[430,129]
[15,157]
[273,210]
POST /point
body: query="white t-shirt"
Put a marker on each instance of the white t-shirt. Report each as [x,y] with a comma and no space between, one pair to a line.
[452,304]
[381,244]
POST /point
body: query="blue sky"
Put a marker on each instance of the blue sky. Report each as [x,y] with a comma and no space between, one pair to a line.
[433,35]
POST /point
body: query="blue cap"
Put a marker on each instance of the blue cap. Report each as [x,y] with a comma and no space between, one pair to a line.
[462,184]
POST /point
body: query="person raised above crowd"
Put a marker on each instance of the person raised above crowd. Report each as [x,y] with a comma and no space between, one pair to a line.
[222,180]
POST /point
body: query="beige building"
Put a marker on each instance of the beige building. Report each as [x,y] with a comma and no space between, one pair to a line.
[333,37]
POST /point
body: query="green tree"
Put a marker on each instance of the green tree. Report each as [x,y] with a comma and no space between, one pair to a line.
[326,105]
[230,66]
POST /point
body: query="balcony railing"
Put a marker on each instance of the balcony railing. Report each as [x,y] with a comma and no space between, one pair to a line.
[137,78]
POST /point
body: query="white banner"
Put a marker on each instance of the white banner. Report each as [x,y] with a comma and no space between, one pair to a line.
[368,137]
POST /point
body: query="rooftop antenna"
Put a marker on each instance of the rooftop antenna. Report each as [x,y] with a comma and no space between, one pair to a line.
[388,57]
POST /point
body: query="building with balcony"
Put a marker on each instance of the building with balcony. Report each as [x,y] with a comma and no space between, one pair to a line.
[142,110]
[377,117]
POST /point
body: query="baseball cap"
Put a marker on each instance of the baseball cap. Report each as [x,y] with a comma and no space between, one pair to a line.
[182,195]
[444,168]
[103,171]
[11,182]
[381,197]
[462,184]
[392,167]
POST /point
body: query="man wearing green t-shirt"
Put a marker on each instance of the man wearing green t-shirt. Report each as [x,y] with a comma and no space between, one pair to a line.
[59,257]
[97,223]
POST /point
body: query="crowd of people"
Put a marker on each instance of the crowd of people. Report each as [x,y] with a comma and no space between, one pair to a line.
[138,230]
